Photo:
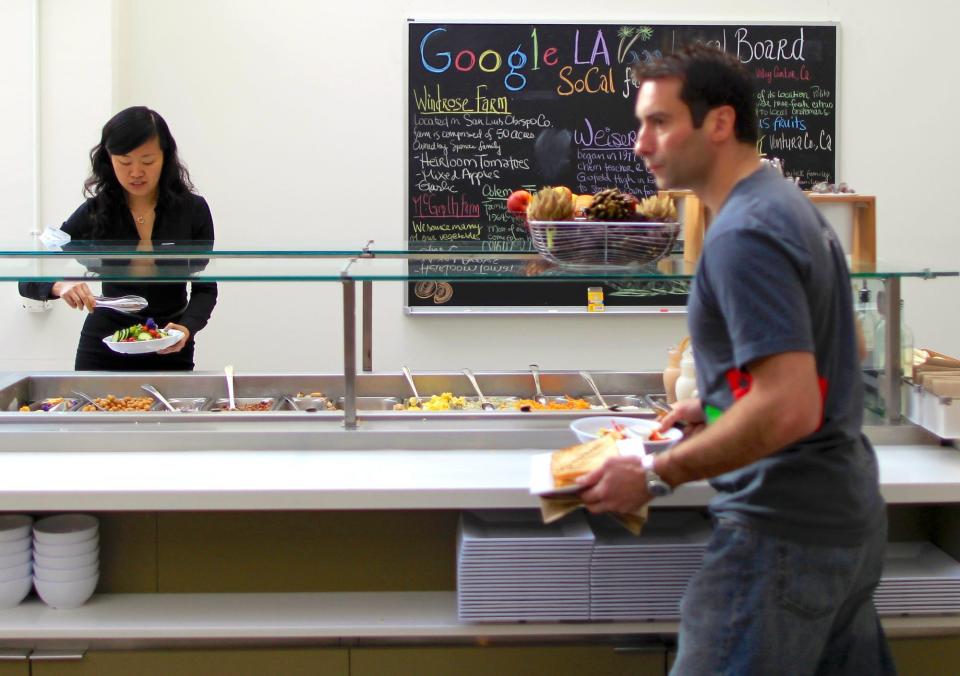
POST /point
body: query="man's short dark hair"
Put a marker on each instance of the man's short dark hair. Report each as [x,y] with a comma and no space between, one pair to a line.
[710,78]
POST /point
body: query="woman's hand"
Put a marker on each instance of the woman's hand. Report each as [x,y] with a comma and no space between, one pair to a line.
[75,294]
[176,347]
[689,411]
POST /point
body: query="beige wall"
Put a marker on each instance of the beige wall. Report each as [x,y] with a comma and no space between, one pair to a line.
[290,116]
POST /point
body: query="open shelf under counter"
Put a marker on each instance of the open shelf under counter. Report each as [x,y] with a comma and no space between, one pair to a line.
[162,619]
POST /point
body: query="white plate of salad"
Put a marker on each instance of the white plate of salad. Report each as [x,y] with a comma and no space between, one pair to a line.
[142,338]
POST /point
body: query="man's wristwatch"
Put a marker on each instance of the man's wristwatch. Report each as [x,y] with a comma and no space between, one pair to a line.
[656,486]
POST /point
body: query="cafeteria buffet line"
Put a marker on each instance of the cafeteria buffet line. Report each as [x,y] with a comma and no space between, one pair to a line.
[298,503]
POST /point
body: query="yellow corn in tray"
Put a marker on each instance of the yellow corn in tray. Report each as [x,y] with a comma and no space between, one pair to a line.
[442,402]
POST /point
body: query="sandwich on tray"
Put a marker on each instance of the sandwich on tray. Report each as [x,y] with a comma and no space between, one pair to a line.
[568,464]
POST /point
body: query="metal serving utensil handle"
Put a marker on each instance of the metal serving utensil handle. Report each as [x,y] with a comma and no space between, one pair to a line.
[662,411]
[593,386]
[90,400]
[228,370]
[152,390]
[484,404]
[413,388]
[539,398]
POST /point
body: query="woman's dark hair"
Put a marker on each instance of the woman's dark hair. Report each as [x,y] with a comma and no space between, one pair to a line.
[125,131]
[711,78]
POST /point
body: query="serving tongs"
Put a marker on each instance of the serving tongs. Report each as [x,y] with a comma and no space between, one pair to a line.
[593,386]
[126,304]
[90,400]
[539,398]
[484,404]
[296,407]
[662,410]
[413,388]
[152,390]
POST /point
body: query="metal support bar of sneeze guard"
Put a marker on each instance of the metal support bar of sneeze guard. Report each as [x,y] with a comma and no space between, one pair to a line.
[14,654]
[893,355]
[349,349]
[366,310]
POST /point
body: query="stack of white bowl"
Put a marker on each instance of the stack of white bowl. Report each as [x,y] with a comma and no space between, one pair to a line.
[66,559]
[16,568]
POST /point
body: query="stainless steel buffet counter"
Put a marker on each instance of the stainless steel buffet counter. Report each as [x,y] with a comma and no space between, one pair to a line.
[392,460]
[26,398]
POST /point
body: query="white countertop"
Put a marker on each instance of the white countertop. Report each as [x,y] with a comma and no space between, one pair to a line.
[330,479]
[162,618]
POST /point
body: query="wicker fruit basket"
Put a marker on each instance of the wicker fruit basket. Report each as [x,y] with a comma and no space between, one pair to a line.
[587,243]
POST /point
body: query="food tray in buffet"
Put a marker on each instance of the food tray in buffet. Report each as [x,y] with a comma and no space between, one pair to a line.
[202,396]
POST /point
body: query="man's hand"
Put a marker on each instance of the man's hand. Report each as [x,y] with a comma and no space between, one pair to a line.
[75,294]
[176,347]
[619,486]
[689,411]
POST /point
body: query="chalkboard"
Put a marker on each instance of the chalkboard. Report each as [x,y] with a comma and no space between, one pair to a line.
[497,107]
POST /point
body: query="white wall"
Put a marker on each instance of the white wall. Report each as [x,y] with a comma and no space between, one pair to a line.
[74,73]
[290,116]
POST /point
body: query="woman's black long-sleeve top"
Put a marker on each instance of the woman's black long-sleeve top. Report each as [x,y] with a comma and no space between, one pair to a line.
[185,219]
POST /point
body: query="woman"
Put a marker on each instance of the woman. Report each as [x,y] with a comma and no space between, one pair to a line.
[139,192]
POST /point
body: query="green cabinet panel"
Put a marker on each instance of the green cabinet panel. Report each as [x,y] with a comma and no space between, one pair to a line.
[926,656]
[14,668]
[307,551]
[128,552]
[505,661]
[232,662]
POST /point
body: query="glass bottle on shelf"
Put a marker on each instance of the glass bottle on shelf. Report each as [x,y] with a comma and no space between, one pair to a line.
[867,315]
[671,374]
[687,382]
[906,344]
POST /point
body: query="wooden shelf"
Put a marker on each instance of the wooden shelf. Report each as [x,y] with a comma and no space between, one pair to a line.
[863,246]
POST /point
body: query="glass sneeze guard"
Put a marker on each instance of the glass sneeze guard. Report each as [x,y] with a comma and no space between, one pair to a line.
[367,262]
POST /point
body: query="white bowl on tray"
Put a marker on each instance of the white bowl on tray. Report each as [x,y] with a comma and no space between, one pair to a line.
[144,346]
[11,547]
[16,572]
[588,429]
[66,595]
[66,575]
[59,550]
[64,529]
[65,562]
[14,526]
[12,592]
[16,559]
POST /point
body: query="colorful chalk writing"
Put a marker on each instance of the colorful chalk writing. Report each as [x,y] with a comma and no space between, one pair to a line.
[493,108]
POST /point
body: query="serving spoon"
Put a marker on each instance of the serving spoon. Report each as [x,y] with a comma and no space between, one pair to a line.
[539,398]
[232,403]
[413,388]
[152,390]
[593,386]
[89,400]
[484,404]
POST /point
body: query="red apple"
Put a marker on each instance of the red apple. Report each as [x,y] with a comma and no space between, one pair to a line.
[517,201]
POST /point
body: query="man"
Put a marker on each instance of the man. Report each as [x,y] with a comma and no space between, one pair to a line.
[788,576]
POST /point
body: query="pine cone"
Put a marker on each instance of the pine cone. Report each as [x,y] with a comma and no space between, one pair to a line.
[610,205]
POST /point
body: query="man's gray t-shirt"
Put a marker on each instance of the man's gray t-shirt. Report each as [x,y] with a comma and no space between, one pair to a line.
[773,278]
